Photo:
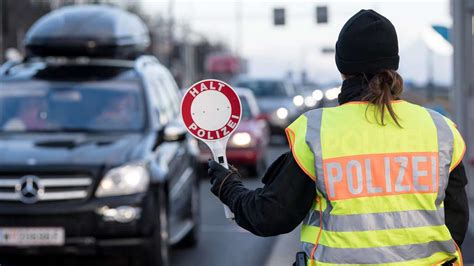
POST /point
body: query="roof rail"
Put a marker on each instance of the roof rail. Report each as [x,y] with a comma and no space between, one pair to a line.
[143,60]
[137,64]
[7,66]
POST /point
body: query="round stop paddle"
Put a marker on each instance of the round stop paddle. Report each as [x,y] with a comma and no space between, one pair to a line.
[211,112]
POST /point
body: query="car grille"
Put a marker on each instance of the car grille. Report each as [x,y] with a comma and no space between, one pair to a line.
[32,189]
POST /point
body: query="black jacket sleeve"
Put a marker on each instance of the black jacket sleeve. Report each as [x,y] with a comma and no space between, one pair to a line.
[278,207]
[456,208]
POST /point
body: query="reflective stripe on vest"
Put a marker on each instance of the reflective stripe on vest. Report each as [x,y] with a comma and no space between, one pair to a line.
[380,188]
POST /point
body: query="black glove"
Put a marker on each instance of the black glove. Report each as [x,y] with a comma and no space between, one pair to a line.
[220,175]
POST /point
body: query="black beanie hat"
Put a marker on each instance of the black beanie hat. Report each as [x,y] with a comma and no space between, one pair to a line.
[367,44]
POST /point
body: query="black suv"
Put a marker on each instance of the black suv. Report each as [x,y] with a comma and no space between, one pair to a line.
[93,158]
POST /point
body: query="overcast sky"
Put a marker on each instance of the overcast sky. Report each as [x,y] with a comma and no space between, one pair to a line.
[273,51]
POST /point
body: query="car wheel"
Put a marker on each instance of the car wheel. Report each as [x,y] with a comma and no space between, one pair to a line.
[157,253]
[192,238]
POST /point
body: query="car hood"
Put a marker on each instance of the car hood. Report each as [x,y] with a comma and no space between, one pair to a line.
[270,104]
[71,149]
[248,125]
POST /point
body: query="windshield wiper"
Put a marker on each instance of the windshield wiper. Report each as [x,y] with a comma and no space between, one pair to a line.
[59,143]
[78,130]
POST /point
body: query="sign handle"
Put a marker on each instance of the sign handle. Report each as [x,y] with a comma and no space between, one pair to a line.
[218,152]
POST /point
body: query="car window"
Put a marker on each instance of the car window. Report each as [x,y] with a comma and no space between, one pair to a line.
[171,88]
[79,106]
[265,88]
[246,111]
[161,99]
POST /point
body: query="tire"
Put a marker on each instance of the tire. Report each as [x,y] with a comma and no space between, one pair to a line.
[192,238]
[157,253]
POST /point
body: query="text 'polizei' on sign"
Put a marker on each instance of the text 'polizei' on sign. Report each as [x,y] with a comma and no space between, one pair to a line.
[211,110]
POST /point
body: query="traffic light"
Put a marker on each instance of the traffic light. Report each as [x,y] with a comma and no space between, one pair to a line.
[321,14]
[278,16]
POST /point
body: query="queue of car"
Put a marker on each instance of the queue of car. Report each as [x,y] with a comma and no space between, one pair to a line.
[274,97]
[281,102]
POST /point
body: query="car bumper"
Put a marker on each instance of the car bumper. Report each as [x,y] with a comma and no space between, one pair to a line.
[86,230]
[85,246]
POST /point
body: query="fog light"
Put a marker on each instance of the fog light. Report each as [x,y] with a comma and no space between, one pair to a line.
[122,214]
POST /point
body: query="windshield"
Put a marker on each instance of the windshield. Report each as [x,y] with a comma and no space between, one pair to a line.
[265,88]
[246,112]
[27,106]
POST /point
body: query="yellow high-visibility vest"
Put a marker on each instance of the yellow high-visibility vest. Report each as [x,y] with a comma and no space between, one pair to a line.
[380,188]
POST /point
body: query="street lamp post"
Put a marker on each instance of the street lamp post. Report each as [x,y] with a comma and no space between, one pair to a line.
[463,91]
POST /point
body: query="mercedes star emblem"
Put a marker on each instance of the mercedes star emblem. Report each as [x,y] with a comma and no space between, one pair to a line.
[29,189]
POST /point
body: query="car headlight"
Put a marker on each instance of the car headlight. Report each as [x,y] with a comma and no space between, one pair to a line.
[282,113]
[124,180]
[332,94]
[318,95]
[298,100]
[241,139]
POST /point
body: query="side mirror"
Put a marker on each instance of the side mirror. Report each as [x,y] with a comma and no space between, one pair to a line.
[174,132]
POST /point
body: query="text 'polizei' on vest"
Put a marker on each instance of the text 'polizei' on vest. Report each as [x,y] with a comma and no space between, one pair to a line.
[381,174]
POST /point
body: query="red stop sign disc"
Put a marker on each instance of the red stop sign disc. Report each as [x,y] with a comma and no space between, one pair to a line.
[211,110]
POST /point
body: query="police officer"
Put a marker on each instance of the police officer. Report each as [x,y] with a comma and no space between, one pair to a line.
[376,180]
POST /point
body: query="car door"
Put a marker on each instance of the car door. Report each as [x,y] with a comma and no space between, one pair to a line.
[180,162]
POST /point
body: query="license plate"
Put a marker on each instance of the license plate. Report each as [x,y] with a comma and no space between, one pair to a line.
[32,236]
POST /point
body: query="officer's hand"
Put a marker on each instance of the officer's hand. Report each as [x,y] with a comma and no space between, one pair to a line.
[216,171]
[220,175]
